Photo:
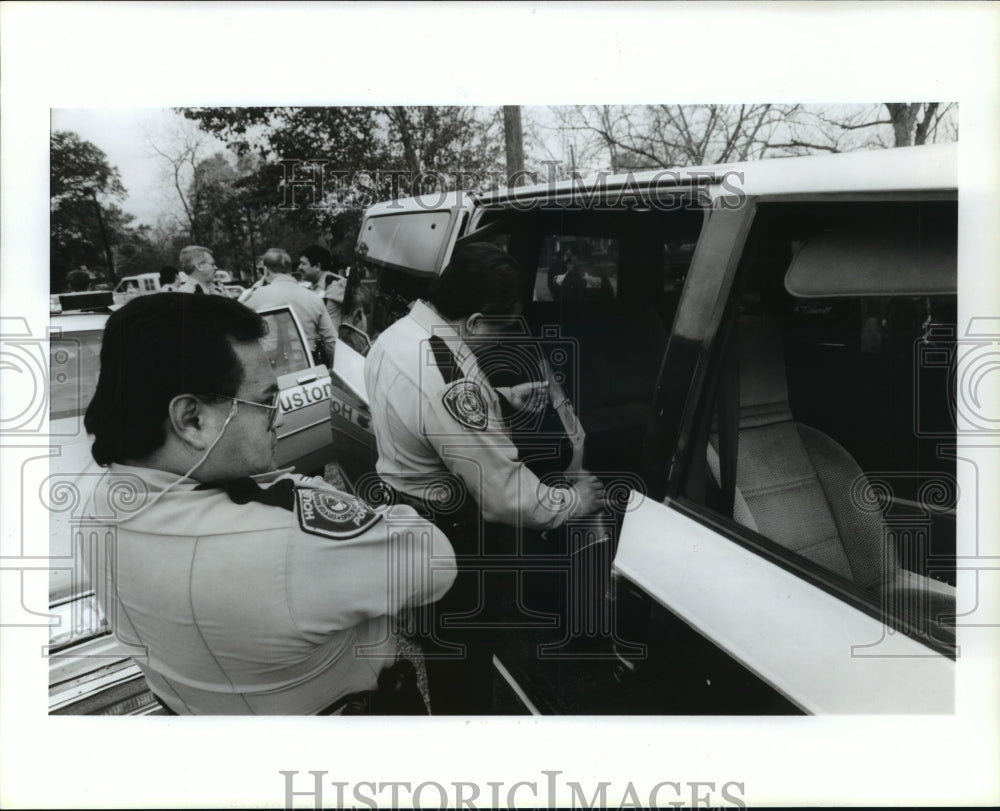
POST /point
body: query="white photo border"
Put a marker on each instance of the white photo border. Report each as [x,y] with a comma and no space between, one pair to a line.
[84,55]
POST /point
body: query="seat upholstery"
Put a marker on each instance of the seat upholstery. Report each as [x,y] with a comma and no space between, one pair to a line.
[796,481]
[795,484]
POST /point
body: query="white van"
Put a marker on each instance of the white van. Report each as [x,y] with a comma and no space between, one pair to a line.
[129,287]
[762,360]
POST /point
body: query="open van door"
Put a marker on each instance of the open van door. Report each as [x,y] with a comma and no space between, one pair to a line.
[412,238]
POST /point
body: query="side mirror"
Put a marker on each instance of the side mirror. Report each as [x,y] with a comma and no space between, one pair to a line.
[354,338]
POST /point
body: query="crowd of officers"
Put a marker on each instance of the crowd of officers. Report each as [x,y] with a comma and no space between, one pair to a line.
[243,589]
[313,290]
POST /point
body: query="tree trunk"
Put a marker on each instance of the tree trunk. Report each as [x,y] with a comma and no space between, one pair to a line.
[104,237]
[515,145]
[398,116]
[903,118]
[251,227]
[923,126]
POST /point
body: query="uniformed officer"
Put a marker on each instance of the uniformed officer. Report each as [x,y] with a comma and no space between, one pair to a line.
[199,265]
[442,445]
[240,588]
[282,289]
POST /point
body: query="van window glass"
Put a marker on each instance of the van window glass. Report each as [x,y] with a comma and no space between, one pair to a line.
[606,282]
[414,241]
[832,417]
[283,344]
[577,269]
[677,253]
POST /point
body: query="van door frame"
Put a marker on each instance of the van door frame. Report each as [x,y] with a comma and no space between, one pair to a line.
[689,353]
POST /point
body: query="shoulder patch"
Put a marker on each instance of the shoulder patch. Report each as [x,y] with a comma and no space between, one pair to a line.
[464,401]
[333,514]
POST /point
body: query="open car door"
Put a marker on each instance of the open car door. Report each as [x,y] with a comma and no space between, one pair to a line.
[303,439]
[350,414]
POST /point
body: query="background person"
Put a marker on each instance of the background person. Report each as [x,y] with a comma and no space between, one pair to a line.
[199,266]
[357,313]
[248,590]
[282,290]
[315,263]
[168,279]
[78,280]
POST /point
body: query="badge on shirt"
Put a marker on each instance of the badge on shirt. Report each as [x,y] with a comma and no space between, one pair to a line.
[465,403]
[333,514]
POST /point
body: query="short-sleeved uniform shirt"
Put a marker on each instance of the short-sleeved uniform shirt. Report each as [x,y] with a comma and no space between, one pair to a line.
[283,290]
[192,286]
[434,414]
[330,288]
[275,595]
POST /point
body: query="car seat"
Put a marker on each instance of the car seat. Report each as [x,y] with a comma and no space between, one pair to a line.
[802,489]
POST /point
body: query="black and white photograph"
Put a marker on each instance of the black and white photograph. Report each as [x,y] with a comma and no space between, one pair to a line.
[556,452]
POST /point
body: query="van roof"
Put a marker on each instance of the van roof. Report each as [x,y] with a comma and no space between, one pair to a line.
[915,168]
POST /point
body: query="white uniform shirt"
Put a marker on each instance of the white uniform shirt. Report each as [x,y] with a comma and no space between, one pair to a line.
[257,608]
[190,285]
[283,290]
[427,428]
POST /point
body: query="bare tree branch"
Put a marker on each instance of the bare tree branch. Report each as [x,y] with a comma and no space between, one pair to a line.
[804,145]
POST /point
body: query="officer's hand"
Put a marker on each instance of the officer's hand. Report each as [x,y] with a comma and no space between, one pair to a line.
[589,494]
[530,397]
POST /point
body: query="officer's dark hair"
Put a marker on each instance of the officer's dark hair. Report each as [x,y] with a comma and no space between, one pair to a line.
[480,278]
[168,274]
[154,348]
[318,256]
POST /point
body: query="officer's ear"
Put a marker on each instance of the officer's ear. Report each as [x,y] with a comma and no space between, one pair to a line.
[473,323]
[191,421]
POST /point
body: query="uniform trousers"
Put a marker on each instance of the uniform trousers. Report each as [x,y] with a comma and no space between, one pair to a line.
[458,631]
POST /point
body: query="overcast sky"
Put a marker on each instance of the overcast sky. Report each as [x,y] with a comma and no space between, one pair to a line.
[124,134]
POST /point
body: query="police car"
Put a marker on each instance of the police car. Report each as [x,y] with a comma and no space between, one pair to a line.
[89,673]
[761,359]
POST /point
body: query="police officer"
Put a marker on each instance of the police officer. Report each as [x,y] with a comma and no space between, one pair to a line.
[282,289]
[199,265]
[443,447]
[241,589]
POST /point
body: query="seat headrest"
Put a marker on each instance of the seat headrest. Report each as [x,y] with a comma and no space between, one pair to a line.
[763,385]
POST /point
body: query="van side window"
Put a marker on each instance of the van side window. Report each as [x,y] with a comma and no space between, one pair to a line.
[577,269]
[832,418]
